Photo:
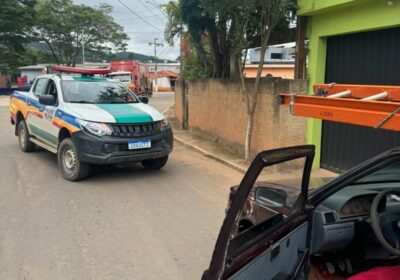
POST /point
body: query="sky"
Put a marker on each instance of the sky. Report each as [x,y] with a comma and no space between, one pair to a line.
[139,31]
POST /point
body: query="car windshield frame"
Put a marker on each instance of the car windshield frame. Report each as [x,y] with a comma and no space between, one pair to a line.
[109,94]
[390,173]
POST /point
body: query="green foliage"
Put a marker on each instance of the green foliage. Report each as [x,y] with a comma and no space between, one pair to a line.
[65,26]
[193,69]
[219,30]
[174,23]
[16,18]
[131,56]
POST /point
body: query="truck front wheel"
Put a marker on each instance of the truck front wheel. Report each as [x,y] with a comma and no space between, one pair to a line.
[68,161]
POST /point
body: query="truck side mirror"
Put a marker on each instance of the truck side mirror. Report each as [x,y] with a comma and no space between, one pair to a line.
[48,99]
[144,99]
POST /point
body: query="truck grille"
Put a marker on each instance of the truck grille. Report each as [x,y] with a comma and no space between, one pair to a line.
[135,130]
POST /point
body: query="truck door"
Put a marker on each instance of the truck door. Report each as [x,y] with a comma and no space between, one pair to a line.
[35,109]
[46,124]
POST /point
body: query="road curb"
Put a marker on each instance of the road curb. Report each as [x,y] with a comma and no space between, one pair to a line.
[210,155]
[166,110]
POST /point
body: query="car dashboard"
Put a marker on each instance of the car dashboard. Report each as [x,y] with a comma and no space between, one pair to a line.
[357,206]
[334,219]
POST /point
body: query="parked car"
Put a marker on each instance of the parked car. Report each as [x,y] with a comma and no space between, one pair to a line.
[340,230]
[85,120]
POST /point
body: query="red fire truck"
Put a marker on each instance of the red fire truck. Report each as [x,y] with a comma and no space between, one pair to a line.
[133,74]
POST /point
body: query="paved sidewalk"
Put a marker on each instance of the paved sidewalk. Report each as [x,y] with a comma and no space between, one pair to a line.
[214,151]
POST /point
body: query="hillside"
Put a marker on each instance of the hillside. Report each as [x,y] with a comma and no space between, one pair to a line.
[100,57]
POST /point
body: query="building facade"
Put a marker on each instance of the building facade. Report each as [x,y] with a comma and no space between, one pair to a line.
[282,70]
[165,80]
[174,67]
[32,71]
[353,42]
[274,54]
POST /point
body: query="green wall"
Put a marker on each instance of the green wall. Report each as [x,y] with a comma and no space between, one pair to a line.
[340,18]
[309,7]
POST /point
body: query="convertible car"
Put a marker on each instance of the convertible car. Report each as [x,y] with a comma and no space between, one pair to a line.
[349,228]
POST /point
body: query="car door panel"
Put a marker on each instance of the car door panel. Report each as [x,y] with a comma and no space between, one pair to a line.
[35,109]
[50,134]
[262,257]
[270,264]
[35,116]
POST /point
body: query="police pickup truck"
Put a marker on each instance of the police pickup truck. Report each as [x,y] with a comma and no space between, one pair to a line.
[87,119]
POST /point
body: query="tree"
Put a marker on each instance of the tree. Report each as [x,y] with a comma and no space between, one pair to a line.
[212,27]
[64,27]
[222,31]
[268,13]
[16,18]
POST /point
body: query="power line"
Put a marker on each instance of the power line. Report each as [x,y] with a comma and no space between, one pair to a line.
[129,9]
[129,19]
[164,51]
[168,49]
[157,6]
[150,10]
[143,32]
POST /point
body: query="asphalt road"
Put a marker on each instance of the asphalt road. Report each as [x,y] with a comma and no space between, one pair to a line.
[120,223]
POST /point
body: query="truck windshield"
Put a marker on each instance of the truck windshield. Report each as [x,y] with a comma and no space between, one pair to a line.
[124,78]
[96,92]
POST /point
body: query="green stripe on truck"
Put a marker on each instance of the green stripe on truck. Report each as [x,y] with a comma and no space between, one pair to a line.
[126,113]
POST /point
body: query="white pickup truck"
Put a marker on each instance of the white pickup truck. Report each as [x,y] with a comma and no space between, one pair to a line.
[86,119]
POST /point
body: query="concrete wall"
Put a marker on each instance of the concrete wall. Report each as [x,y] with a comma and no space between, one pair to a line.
[217,111]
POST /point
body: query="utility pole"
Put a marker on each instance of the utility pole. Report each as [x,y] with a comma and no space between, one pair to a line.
[83,53]
[83,49]
[300,59]
[155,44]
[185,109]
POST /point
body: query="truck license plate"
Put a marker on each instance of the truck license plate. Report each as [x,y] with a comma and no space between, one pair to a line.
[135,145]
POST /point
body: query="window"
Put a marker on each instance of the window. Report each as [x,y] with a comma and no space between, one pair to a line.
[39,87]
[276,56]
[123,78]
[52,89]
[387,174]
[97,92]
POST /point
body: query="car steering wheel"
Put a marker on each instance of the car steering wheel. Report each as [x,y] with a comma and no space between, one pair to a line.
[386,225]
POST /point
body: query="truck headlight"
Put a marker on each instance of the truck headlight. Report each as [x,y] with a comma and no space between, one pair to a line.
[164,125]
[99,129]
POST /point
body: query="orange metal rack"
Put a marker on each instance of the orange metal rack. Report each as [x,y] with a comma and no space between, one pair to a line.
[374,106]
